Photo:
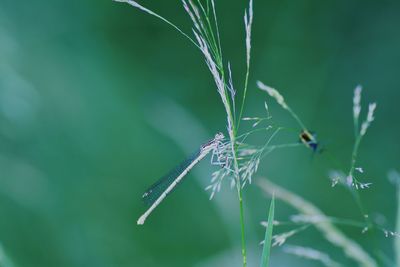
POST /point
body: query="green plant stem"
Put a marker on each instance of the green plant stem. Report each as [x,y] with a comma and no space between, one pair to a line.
[246,82]
[232,136]
[244,253]
[217,53]
[303,127]
[354,154]
[354,192]
[239,192]
[356,131]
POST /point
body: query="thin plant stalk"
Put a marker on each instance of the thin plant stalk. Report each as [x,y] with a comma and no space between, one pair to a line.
[359,133]
[355,193]
[281,101]
[232,135]
[135,4]
[297,118]
[219,76]
[232,130]
[220,79]
[244,95]
[242,229]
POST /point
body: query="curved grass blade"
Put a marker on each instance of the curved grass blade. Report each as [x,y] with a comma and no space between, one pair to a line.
[268,235]
[137,5]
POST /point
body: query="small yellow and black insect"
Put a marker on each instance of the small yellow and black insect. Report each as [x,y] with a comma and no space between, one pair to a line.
[309,140]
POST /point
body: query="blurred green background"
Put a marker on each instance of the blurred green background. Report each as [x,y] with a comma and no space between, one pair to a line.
[98,100]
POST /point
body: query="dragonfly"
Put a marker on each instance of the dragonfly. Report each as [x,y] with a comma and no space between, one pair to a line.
[164,186]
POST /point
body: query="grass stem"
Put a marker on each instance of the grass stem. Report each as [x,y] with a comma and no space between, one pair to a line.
[243,237]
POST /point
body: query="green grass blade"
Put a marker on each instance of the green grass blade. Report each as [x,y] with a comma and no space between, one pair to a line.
[268,235]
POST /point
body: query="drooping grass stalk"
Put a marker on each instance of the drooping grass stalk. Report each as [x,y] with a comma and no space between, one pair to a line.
[352,249]
[294,115]
[137,5]
[281,101]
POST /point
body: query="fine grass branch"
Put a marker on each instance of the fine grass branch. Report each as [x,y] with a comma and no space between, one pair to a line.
[331,233]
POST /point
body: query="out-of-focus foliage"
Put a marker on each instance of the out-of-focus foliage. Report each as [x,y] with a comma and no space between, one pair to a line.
[83,82]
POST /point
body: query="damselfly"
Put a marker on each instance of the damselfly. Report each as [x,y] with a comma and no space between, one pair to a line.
[159,190]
